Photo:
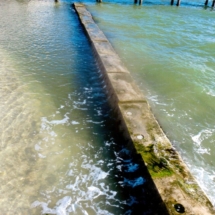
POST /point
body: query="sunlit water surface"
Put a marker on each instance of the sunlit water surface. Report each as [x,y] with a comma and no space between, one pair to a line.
[60,152]
[170,53]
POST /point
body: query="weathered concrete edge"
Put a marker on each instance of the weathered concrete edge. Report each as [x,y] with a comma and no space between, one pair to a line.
[171,176]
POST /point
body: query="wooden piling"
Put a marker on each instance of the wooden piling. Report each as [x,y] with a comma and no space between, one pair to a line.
[213,3]
[178,2]
[140,2]
[135,1]
[172,2]
[206,3]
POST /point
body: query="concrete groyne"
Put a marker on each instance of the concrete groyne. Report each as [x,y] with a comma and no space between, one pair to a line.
[175,184]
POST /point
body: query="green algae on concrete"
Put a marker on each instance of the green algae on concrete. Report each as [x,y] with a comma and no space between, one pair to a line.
[171,176]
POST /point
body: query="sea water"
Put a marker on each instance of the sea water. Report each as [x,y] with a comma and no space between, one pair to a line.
[60,150]
[169,51]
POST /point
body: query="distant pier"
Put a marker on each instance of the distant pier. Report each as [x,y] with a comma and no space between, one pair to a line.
[178,2]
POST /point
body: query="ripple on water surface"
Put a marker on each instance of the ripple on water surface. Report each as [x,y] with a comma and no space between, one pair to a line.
[69,161]
[170,52]
[60,149]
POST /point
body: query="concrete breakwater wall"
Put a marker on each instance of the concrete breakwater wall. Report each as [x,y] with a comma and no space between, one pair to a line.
[176,186]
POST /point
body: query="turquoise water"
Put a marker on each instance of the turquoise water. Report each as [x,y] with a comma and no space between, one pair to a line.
[60,150]
[169,51]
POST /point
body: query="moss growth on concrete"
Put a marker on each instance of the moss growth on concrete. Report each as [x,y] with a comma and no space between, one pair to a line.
[190,188]
[158,167]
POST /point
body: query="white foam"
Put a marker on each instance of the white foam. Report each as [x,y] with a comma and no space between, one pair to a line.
[44,206]
[59,122]
[74,186]
[211,93]
[202,135]
[59,209]
[94,192]
[202,150]
[62,204]
[70,173]
[104,212]
[205,179]
[74,122]
[155,100]
[53,134]
[196,138]
[76,107]
[107,143]
[80,103]
[96,173]
[41,156]
[94,122]
[99,112]
[37,147]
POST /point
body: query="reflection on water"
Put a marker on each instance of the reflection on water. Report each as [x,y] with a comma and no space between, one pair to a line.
[60,151]
[170,52]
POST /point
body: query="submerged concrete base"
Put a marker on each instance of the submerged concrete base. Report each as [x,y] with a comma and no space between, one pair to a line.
[177,187]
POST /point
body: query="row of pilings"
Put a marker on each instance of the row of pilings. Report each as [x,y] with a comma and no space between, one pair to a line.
[171,2]
[213,3]
[177,4]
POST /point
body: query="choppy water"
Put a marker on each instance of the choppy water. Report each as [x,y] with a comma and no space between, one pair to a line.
[170,53]
[60,150]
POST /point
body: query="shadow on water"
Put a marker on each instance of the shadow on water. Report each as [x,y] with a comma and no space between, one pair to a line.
[131,175]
